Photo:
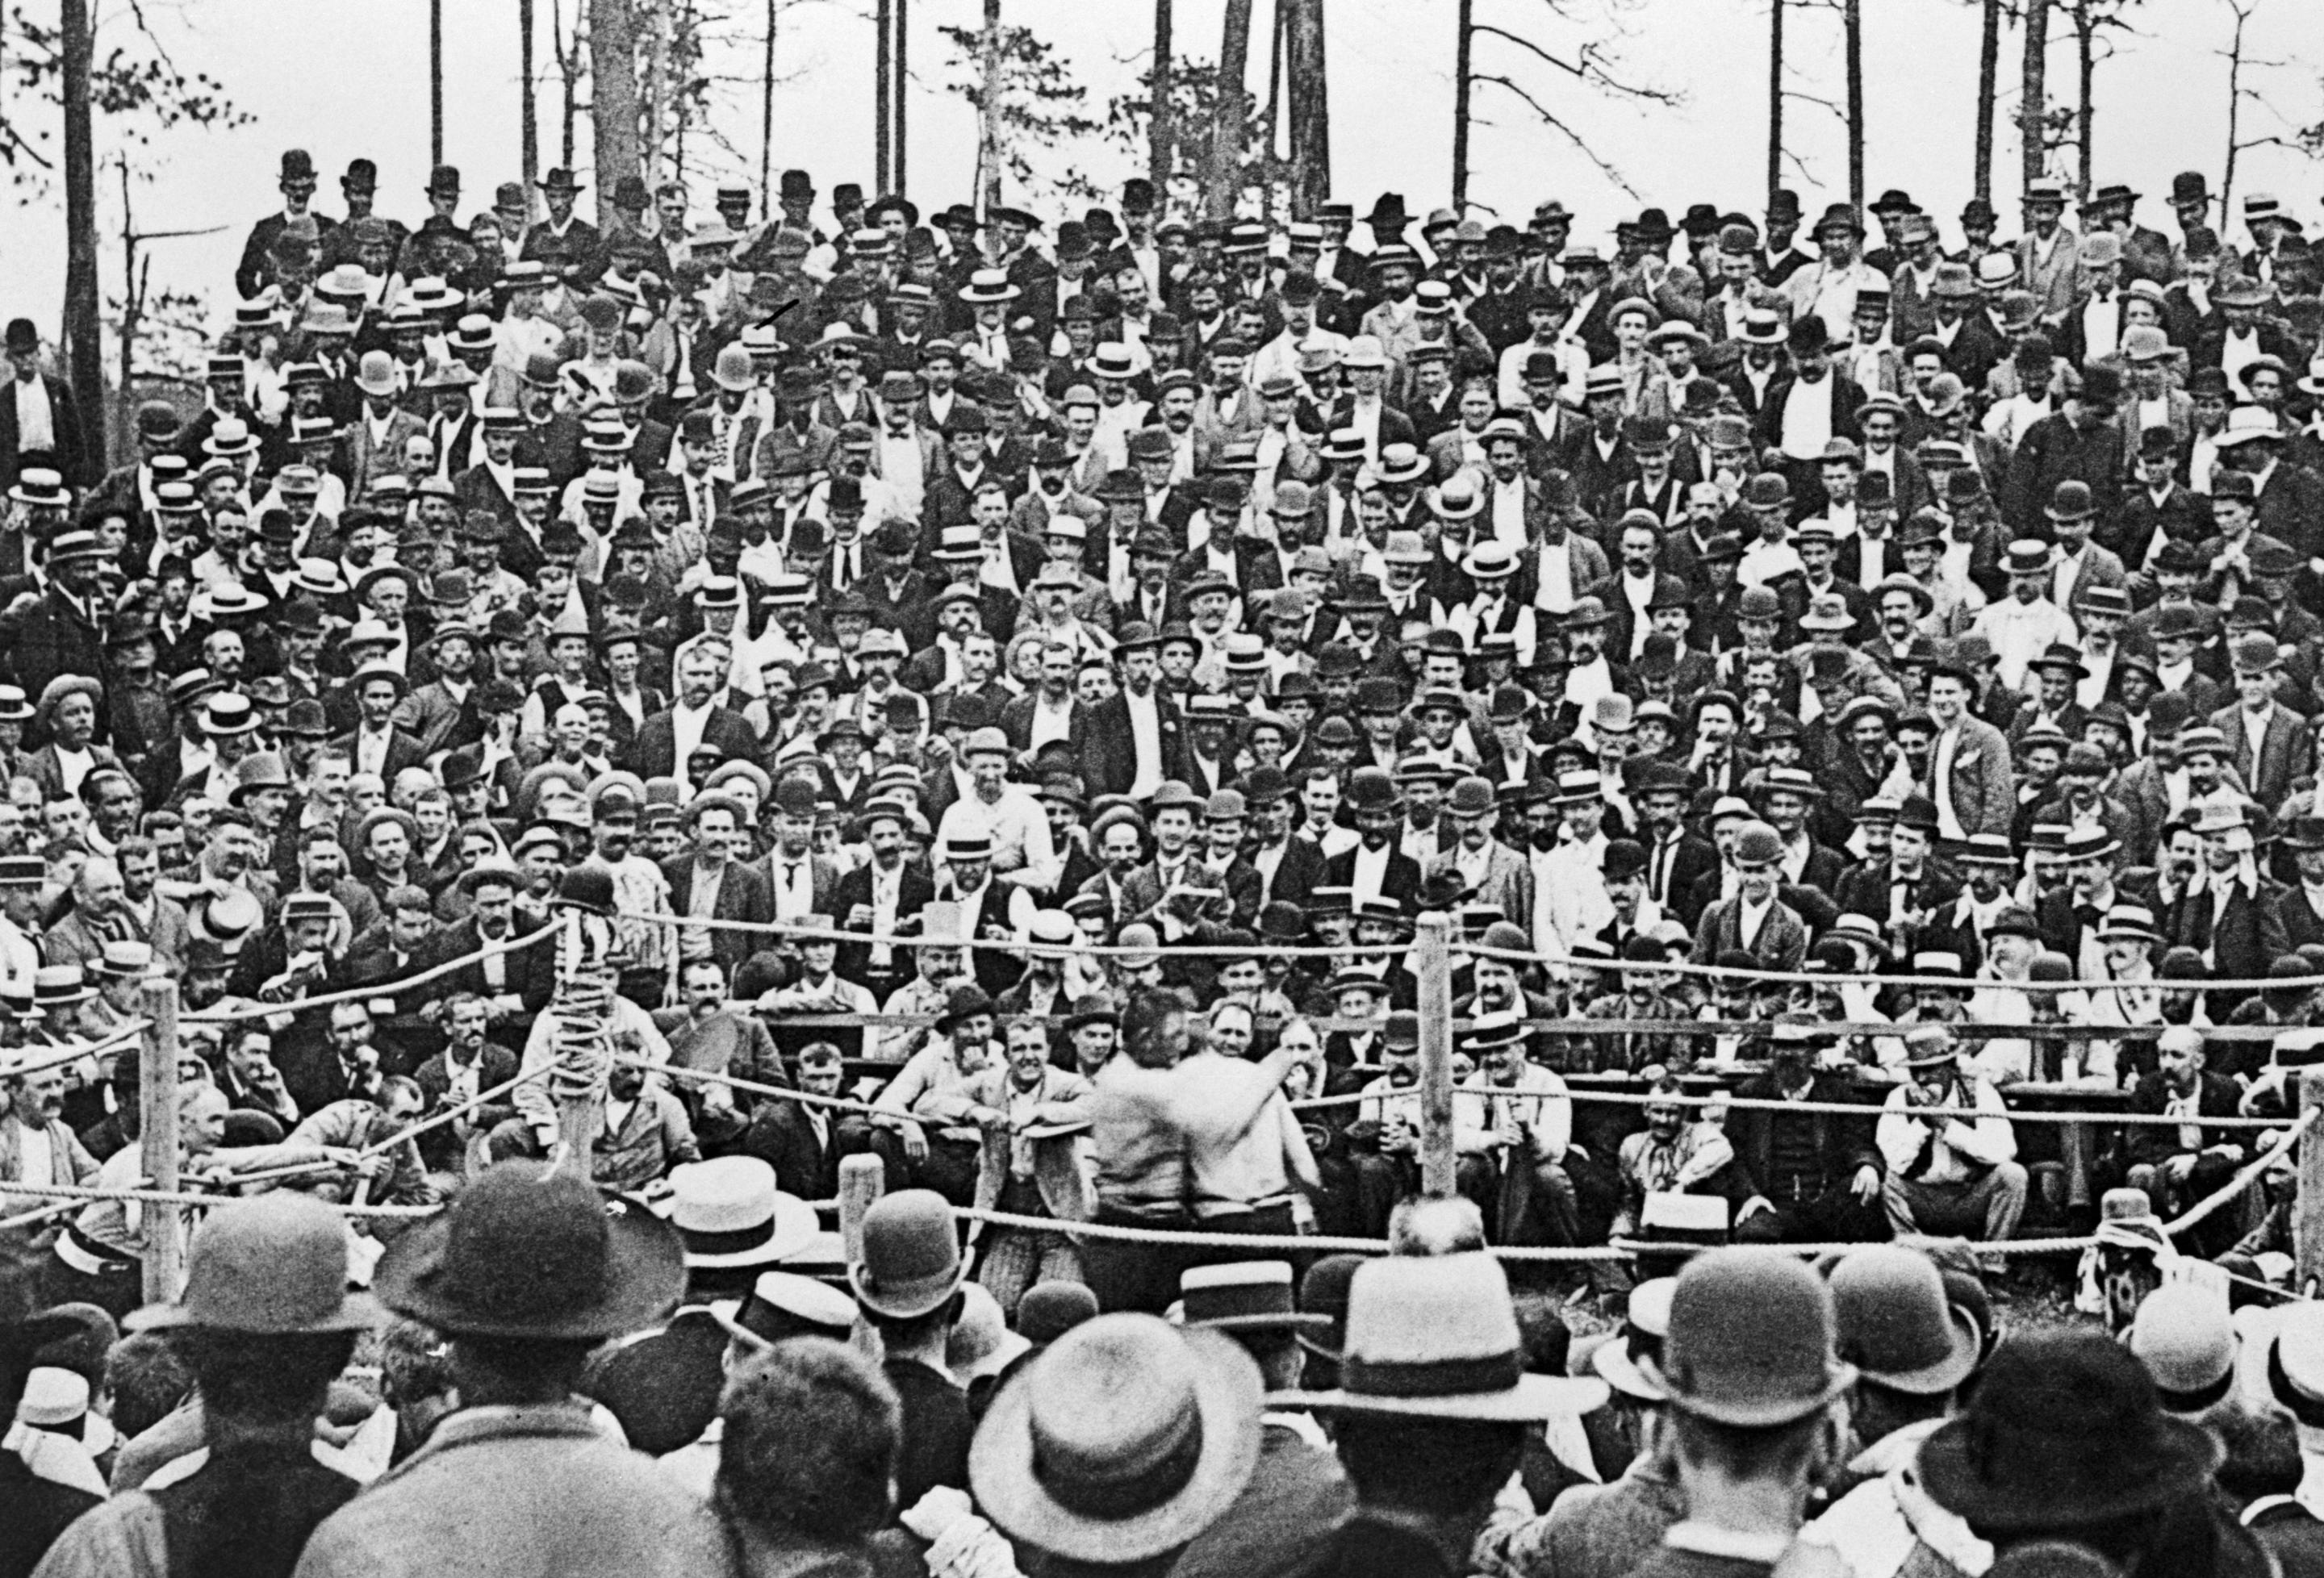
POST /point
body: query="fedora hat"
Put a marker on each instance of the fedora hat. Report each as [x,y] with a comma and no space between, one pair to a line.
[1751,1341]
[729,1213]
[1437,1338]
[1122,1440]
[911,1260]
[275,1265]
[2065,1430]
[528,1253]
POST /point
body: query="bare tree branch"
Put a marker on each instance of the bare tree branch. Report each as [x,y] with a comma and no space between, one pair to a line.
[1588,65]
[1568,132]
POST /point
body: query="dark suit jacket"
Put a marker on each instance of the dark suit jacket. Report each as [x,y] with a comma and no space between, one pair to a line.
[2287,752]
[781,1136]
[1781,945]
[1400,882]
[2300,923]
[71,454]
[742,896]
[1109,752]
[1842,1143]
[654,753]
[913,894]
[2246,938]
[532,972]
[2151,1143]
[404,749]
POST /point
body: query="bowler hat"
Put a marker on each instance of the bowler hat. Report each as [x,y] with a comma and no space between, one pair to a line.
[1751,1341]
[911,1262]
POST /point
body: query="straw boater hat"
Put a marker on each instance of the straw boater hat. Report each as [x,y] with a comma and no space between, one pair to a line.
[730,1214]
[1120,1441]
[1437,1338]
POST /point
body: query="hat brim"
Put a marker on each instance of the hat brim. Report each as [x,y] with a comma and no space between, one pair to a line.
[357,1312]
[645,1272]
[1753,1415]
[1003,1476]
[1946,1373]
[906,1300]
[790,1230]
[1533,1398]
[1612,1362]
[2187,1454]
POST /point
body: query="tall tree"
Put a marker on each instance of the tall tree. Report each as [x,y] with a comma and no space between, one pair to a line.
[1311,107]
[1464,43]
[435,81]
[1775,99]
[530,107]
[1161,128]
[1989,74]
[1852,27]
[84,352]
[1036,104]
[2034,99]
[1230,120]
[613,96]
[990,153]
[884,112]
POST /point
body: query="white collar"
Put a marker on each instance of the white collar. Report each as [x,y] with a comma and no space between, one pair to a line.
[1708,1539]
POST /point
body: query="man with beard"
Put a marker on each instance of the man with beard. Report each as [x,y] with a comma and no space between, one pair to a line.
[1811,1178]
[646,940]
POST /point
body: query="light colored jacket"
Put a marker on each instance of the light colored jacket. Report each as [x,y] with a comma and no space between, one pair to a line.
[520,1493]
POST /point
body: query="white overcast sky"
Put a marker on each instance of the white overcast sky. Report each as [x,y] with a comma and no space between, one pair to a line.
[348,78]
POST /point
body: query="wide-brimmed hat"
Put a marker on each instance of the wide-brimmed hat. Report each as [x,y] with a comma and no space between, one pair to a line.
[274,1265]
[1437,1338]
[1646,1324]
[729,1213]
[532,1252]
[1750,1342]
[2065,1431]
[911,1255]
[1122,1440]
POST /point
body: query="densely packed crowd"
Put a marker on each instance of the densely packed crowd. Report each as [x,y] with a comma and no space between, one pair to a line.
[1029,675]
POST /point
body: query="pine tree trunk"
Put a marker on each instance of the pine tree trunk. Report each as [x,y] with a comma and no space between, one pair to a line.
[613,97]
[1988,72]
[2085,63]
[1160,116]
[1852,23]
[83,353]
[884,110]
[435,81]
[1227,125]
[989,153]
[1463,39]
[2034,89]
[530,100]
[1311,109]
[1775,99]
